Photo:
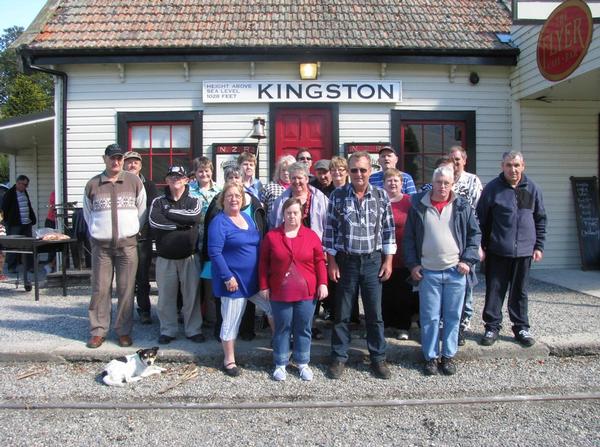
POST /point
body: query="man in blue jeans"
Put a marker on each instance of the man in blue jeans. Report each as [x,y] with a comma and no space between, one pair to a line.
[360,242]
[441,242]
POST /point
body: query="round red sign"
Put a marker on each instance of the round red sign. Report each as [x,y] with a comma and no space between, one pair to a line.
[564,39]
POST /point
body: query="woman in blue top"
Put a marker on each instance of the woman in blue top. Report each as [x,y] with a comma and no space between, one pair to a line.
[233,248]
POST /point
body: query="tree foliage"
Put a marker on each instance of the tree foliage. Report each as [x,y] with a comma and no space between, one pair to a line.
[21,94]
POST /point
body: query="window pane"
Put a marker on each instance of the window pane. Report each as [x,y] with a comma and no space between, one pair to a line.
[429,167]
[160,165]
[452,136]
[412,138]
[146,167]
[140,137]
[412,165]
[161,138]
[182,160]
[433,138]
[181,136]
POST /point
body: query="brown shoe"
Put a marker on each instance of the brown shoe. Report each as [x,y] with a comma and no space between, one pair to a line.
[95,342]
[125,340]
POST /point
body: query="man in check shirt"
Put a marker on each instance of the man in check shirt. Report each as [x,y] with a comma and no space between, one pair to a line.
[360,242]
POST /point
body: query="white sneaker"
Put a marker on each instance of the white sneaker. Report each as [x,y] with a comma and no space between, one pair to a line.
[402,335]
[280,374]
[306,373]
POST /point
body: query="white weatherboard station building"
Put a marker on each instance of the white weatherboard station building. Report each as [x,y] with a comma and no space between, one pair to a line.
[425,88]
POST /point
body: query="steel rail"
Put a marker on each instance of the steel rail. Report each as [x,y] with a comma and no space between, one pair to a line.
[294,405]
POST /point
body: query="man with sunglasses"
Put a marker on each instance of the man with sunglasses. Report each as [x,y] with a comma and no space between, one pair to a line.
[360,242]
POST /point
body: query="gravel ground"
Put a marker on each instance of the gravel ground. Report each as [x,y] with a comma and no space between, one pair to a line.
[555,423]
[79,382]
[553,311]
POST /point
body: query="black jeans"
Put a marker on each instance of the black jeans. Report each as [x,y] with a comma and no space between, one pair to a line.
[502,273]
[358,271]
[142,276]
[398,301]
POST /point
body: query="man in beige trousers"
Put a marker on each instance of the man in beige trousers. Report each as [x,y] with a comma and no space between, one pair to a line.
[114,206]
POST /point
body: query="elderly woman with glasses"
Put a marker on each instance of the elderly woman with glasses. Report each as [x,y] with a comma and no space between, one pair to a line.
[339,170]
[314,202]
[254,209]
[233,248]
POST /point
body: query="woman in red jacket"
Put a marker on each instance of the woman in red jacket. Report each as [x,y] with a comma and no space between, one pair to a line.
[292,274]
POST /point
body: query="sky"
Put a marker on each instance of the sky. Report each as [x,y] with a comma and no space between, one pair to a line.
[18,12]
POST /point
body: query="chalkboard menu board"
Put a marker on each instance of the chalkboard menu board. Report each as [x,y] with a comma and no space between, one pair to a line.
[585,194]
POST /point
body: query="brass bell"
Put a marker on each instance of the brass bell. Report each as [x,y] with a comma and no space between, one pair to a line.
[258,129]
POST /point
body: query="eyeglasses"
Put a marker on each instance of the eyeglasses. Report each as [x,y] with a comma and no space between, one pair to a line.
[357,170]
[232,196]
[304,158]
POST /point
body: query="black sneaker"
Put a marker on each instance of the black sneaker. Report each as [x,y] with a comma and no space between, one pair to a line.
[461,337]
[336,369]
[198,338]
[431,367]
[381,370]
[489,338]
[525,338]
[165,339]
[448,366]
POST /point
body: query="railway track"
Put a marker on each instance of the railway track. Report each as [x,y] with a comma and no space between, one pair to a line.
[480,400]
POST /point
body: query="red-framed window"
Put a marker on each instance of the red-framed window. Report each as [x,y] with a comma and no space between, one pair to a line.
[424,142]
[422,137]
[161,144]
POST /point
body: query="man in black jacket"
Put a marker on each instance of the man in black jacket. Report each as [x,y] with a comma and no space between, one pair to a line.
[513,231]
[174,217]
[19,218]
[133,164]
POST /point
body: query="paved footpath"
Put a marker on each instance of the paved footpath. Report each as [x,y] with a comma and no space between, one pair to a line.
[564,322]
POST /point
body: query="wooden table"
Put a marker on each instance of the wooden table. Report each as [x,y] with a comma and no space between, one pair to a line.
[32,246]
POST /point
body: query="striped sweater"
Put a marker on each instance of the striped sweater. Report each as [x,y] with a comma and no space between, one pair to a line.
[115,211]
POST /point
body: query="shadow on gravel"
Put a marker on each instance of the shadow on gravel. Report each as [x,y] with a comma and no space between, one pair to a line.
[564,303]
[74,311]
[63,326]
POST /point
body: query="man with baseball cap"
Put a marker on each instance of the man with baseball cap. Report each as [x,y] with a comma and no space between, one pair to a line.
[388,159]
[114,208]
[133,164]
[323,181]
[175,217]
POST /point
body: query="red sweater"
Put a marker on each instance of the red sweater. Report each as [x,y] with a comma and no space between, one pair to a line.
[276,255]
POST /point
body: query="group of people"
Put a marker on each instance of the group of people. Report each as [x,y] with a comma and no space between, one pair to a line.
[341,233]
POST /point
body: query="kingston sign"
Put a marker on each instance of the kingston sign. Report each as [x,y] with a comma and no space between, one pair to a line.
[297,91]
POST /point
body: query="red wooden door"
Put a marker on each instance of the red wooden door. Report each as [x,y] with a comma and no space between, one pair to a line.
[310,128]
